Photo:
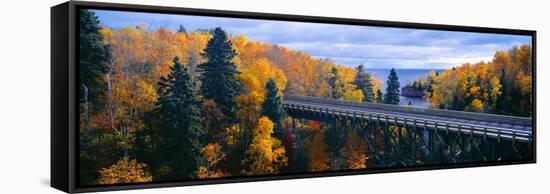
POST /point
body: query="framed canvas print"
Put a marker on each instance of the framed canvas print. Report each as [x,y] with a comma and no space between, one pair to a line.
[146,96]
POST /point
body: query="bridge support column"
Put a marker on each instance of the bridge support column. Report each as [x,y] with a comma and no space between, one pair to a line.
[414,139]
[398,141]
[451,143]
[471,146]
[431,142]
[386,129]
[333,143]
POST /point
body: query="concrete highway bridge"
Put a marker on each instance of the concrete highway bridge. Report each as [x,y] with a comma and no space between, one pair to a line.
[427,136]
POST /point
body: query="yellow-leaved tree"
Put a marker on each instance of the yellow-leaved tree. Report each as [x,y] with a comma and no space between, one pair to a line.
[347,89]
[212,154]
[475,106]
[266,154]
[125,171]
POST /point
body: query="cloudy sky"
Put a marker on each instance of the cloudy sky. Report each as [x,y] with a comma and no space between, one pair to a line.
[376,47]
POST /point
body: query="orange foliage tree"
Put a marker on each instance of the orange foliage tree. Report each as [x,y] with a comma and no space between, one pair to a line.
[125,171]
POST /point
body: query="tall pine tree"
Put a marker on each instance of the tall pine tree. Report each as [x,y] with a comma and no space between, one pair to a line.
[392,91]
[93,60]
[334,83]
[363,83]
[94,57]
[178,114]
[219,77]
[273,106]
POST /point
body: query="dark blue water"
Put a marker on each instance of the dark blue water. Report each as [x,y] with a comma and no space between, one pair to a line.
[405,76]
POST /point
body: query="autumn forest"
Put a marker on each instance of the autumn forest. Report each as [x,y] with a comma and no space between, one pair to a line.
[162,104]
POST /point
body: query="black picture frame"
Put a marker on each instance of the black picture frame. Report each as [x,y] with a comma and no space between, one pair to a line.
[64,98]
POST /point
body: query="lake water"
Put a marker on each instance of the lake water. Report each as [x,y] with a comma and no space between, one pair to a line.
[405,76]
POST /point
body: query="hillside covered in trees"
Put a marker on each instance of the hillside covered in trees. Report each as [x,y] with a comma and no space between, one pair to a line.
[170,105]
[164,105]
[501,86]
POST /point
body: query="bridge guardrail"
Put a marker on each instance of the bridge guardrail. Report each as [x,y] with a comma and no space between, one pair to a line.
[482,117]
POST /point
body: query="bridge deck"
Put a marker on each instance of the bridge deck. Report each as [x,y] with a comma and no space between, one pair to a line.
[496,126]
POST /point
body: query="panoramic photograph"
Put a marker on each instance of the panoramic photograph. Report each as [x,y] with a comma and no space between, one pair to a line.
[168,97]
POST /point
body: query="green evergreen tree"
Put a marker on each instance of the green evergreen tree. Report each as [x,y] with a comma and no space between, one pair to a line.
[363,83]
[181,29]
[219,77]
[178,113]
[502,102]
[334,83]
[379,96]
[273,105]
[392,90]
[93,58]
[96,147]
